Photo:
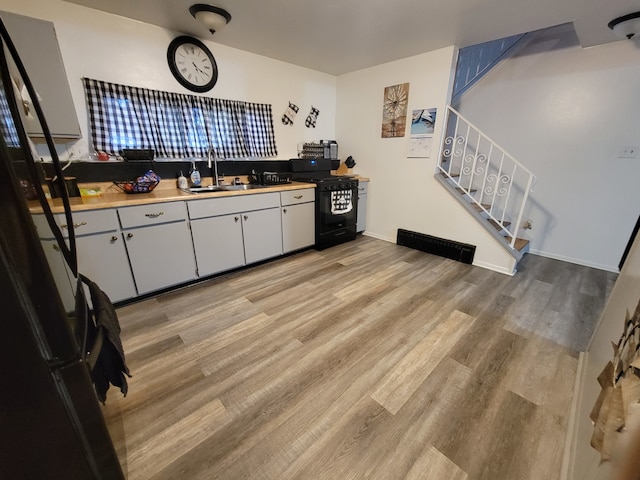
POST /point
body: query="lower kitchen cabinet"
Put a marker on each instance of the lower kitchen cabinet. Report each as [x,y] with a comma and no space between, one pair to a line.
[262,233]
[363,187]
[218,243]
[103,259]
[158,242]
[160,256]
[130,251]
[298,219]
[60,273]
[229,232]
[101,253]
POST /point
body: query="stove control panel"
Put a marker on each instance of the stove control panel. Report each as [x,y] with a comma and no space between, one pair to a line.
[338,185]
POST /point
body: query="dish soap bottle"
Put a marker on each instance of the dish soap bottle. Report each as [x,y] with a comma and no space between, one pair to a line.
[182,181]
[195,175]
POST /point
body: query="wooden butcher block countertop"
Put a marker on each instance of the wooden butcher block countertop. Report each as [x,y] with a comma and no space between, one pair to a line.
[166,191]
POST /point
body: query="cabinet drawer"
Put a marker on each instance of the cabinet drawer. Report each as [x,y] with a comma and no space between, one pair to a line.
[153,214]
[292,197]
[84,223]
[213,207]
[363,187]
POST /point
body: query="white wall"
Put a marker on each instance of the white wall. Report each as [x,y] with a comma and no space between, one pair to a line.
[111,48]
[565,112]
[403,192]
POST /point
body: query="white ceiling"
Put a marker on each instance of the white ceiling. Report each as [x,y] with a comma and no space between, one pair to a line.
[340,36]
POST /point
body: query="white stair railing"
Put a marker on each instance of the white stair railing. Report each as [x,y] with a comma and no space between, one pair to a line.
[495,182]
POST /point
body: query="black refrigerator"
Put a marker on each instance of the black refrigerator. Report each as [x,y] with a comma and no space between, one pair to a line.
[51,423]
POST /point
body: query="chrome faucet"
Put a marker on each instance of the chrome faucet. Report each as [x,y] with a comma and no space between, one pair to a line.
[215,166]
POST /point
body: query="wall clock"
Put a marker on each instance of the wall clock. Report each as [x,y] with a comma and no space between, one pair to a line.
[192,64]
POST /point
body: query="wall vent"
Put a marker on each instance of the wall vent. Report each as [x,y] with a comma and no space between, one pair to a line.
[461,252]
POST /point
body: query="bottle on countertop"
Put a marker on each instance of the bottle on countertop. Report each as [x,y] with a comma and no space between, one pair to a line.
[182,181]
[195,175]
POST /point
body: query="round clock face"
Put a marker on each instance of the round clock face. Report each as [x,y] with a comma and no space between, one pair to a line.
[192,64]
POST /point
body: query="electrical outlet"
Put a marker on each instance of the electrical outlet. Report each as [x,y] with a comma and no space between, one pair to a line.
[628,151]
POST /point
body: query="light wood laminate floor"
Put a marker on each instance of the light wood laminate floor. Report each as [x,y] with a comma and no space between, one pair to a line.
[366,360]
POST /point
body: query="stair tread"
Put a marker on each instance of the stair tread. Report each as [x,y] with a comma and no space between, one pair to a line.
[496,225]
[479,208]
[462,191]
[447,174]
[520,243]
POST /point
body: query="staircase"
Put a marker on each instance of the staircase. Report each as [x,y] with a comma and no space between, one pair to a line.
[477,60]
[488,182]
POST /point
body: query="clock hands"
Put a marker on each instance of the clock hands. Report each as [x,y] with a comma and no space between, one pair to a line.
[198,69]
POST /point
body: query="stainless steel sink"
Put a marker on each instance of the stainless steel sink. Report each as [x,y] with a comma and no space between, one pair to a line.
[222,188]
[210,188]
[241,187]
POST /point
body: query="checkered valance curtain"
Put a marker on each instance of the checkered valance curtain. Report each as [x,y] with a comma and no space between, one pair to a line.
[7,127]
[177,125]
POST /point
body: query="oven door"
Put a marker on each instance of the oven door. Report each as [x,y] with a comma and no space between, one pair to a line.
[337,209]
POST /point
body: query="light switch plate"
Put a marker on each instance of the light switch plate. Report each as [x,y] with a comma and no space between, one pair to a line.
[628,151]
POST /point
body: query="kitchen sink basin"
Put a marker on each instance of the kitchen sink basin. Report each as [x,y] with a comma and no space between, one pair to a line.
[222,188]
[241,187]
[210,188]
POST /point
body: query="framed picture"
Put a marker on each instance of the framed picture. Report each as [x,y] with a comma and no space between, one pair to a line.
[394,110]
[422,121]
[422,125]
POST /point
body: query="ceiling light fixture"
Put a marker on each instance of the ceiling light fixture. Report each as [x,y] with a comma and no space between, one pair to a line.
[214,18]
[626,26]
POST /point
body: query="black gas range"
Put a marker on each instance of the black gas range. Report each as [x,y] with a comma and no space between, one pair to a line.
[336,200]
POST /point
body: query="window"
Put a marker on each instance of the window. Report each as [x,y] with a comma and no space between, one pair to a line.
[7,127]
[177,125]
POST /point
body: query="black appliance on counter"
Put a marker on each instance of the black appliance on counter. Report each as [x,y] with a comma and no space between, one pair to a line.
[52,424]
[336,200]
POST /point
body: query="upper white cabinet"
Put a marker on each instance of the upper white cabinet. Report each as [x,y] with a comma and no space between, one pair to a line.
[37,45]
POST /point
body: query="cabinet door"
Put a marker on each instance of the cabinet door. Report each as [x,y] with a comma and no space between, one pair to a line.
[37,45]
[362,213]
[103,259]
[61,275]
[298,226]
[262,230]
[160,256]
[218,243]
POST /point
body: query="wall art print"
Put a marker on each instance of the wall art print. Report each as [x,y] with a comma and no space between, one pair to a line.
[394,110]
[421,136]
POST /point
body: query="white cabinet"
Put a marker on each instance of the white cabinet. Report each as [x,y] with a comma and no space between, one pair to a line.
[102,256]
[103,259]
[135,250]
[229,232]
[159,245]
[60,273]
[100,251]
[262,233]
[362,206]
[37,44]
[298,219]
[218,243]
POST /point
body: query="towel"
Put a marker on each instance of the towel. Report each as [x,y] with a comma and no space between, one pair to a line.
[341,202]
[110,366]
